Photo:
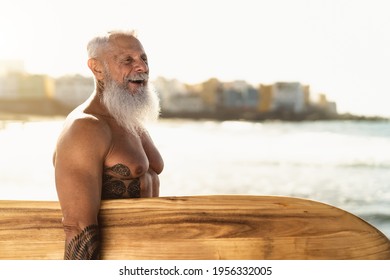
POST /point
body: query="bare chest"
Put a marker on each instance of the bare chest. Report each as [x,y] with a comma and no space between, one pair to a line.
[130,157]
[127,157]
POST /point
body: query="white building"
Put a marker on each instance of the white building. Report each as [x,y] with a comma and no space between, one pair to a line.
[9,87]
[10,77]
[73,90]
[288,96]
[16,85]
[11,66]
[174,95]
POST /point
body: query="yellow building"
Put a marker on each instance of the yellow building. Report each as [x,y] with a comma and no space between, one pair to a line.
[306,93]
[322,100]
[265,100]
[328,106]
[211,91]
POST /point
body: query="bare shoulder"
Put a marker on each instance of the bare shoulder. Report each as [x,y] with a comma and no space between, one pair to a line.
[92,123]
[86,125]
[84,131]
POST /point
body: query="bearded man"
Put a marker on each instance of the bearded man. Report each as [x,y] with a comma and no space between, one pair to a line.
[104,150]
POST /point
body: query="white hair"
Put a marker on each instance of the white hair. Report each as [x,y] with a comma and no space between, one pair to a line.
[101,42]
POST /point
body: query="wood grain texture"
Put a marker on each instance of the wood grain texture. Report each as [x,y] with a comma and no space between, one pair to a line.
[198,227]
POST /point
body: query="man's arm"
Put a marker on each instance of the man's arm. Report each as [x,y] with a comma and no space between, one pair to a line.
[79,158]
[85,245]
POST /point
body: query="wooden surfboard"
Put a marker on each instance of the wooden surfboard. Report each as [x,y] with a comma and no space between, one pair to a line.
[198,227]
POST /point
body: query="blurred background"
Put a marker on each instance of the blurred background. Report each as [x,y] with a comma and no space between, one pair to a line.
[258,97]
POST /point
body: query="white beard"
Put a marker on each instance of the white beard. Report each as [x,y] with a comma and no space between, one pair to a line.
[132,110]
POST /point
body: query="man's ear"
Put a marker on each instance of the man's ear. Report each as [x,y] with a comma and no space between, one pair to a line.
[96,67]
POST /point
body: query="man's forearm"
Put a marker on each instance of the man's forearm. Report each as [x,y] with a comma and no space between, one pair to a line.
[85,245]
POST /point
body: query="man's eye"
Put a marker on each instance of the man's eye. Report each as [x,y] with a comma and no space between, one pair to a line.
[145,60]
[128,61]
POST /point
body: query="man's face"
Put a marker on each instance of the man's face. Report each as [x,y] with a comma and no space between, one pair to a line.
[127,63]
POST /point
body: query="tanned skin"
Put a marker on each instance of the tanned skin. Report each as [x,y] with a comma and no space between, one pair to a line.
[97,159]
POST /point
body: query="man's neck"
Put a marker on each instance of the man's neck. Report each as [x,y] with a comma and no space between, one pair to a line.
[95,105]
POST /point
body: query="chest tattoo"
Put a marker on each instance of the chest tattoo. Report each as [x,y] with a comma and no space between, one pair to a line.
[115,186]
[119,169]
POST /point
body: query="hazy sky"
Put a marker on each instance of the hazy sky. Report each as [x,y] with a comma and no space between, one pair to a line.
[338,47]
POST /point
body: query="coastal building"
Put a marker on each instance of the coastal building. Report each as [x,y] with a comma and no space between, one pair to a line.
[211,94]
[239,95]
[265,100]
[174,95]
[73,90]
[322,100]
[288,96]
[189,103]
[306,94]
[18,85]
[332,108]
[283,96]
[9,86]
[11,66]
[326,106]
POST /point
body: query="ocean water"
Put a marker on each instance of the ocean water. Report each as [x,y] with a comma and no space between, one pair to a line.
[342,163]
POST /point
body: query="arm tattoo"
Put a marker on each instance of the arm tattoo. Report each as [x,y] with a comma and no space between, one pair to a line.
[85,245]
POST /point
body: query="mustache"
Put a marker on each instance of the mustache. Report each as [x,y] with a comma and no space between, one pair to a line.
[139,77]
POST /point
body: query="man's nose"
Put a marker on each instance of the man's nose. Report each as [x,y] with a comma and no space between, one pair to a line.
[141,66]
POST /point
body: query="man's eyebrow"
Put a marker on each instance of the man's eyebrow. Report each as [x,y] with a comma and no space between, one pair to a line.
[121,57]
[124,57]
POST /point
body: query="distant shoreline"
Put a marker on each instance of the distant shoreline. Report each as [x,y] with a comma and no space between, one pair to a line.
[277,116]
[25,109]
